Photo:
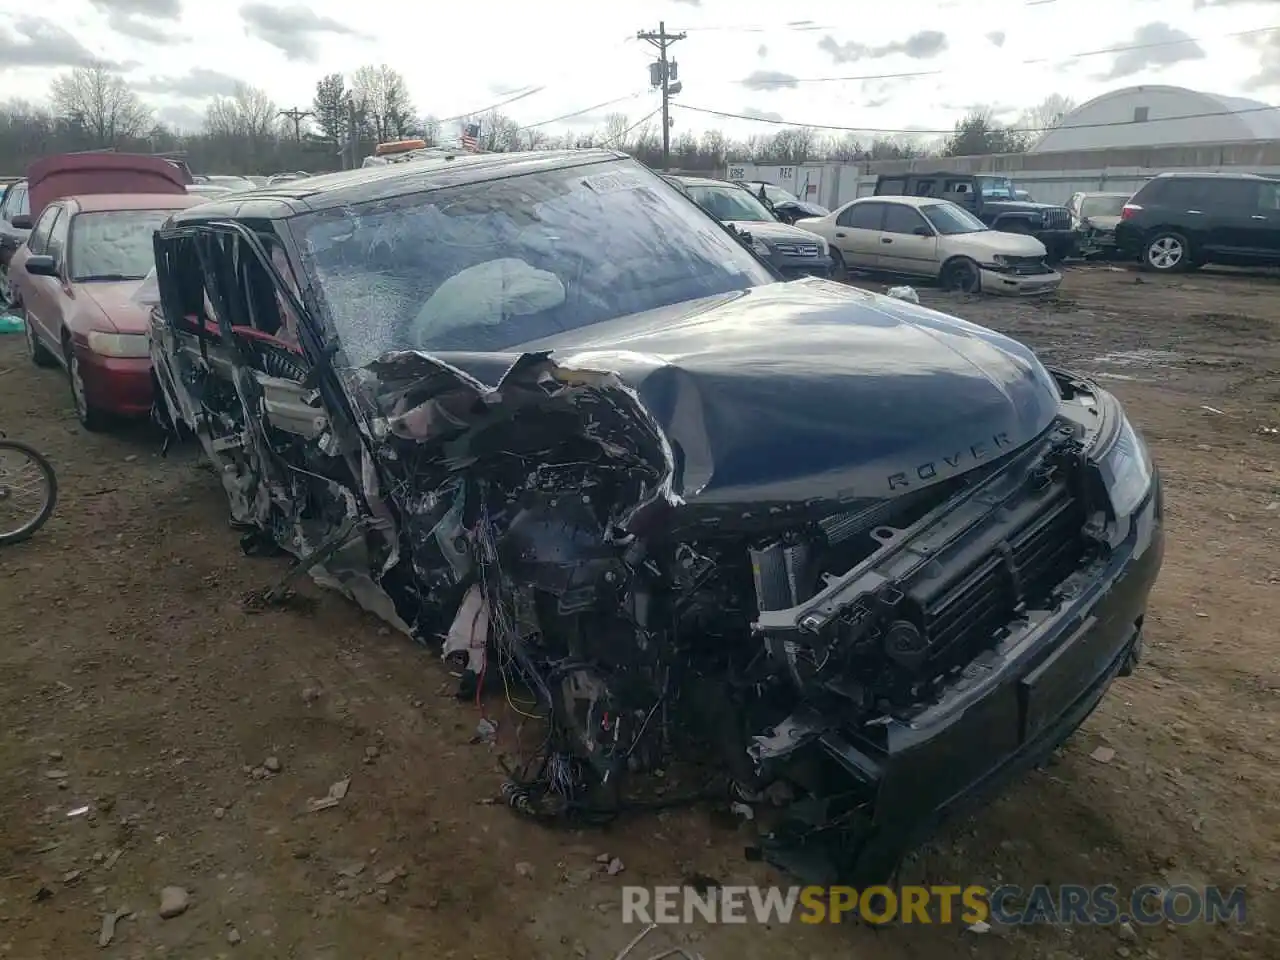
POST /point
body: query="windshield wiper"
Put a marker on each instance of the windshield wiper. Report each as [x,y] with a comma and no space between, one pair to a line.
[104,278]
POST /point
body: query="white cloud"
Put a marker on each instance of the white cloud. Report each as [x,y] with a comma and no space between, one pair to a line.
[456,56]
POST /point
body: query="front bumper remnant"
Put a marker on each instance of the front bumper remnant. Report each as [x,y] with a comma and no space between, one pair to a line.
[1005,713]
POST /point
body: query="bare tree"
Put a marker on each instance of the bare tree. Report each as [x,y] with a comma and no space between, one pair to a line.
[845,149]
[616,128]
[247,113]
[498,132]
[98,101]
[383,95]
[1047,114]
[713,148]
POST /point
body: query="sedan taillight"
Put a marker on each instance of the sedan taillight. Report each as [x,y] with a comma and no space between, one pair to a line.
[1129,210]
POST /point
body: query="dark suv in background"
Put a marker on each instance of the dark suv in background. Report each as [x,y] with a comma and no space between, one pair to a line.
[994,201]
[1181,221]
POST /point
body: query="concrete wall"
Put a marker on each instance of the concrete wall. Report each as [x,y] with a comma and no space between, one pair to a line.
[1048,177]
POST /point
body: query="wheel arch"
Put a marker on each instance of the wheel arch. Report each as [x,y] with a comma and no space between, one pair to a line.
[956,258]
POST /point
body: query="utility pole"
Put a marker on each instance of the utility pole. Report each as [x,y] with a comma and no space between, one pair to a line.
[296,116]
[662,74]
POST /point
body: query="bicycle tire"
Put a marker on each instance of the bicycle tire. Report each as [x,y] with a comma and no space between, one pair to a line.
[51,484]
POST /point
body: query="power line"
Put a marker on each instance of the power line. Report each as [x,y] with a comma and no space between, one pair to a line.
[619,139]
[802,26]
[789,81]
[528,91]
[908,132]
[590,109]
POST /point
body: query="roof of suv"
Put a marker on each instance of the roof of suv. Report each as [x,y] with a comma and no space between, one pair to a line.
[384,182]
[931,174]
[1192,175]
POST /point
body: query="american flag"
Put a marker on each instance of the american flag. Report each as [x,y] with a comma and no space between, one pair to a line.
[471,136]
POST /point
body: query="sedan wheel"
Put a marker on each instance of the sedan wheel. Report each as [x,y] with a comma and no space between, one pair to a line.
[1167,253]
[90,418]
[962,276]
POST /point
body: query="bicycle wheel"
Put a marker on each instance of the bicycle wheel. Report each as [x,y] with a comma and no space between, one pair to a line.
[28,491]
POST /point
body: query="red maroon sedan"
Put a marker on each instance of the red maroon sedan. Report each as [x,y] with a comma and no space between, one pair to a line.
[75,277]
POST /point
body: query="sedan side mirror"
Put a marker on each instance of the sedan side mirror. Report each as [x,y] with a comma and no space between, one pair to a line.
[922,231]
[20,221]
[41,265]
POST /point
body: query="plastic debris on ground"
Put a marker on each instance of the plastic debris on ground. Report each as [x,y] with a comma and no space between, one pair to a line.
[903,293]
[11,324]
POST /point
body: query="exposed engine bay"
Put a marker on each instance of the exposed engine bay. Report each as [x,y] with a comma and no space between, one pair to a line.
[534,530]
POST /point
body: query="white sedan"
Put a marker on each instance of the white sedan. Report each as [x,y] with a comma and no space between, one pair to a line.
[937,239]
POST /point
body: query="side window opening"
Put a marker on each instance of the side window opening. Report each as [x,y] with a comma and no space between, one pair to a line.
[238,289]
[181,283]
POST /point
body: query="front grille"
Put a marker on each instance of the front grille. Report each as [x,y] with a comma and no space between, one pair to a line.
[1057,220]
[789,249]
[1026,266]
[962,615]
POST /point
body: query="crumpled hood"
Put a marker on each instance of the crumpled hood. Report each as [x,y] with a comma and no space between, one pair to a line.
[772,232]
[999,242]
[808,391]
[117,303]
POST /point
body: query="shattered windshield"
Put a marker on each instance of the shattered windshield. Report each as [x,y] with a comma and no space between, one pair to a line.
[114,244]
[729,203]
[1102,206]
[996,188]
[775,194]
[487,266]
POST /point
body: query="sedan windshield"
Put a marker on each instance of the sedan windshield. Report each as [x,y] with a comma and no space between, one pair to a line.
[487,266]
[113,244]
[730,203]
[950,219]
[1102,206]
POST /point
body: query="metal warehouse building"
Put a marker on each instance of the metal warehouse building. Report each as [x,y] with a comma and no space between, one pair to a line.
[1148,116]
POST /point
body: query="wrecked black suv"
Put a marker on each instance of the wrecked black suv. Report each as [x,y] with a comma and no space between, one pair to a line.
[542,411]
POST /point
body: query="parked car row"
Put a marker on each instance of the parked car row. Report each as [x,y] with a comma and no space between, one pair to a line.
[1176,221]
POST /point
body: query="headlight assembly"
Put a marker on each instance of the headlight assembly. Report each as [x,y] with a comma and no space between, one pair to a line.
[1126,469]
[1000,260]
[134,345]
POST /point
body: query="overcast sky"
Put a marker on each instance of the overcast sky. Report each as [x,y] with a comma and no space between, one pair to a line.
[741,56]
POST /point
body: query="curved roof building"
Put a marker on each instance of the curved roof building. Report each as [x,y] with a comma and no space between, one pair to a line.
[1154,116]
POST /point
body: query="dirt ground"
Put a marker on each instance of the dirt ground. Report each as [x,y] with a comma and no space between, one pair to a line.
[133,682]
